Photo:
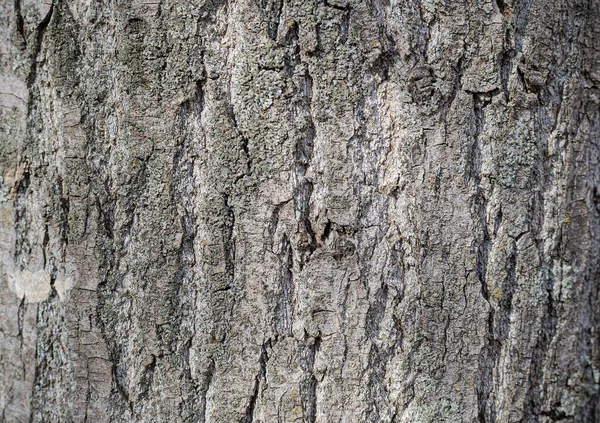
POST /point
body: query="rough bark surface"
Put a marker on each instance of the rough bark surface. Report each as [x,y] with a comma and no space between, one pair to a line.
[299,211]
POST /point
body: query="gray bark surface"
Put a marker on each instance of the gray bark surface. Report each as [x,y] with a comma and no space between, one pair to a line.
[299,211]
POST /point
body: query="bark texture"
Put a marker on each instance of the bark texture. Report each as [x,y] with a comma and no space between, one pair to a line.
[299,211]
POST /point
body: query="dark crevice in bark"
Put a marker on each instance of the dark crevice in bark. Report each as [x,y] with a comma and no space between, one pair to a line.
[273,225]
[481,263]
[272,10]
[239,131]
[522,9]
[487,363]
[502,8]
[502,318]
[379,8]
[291,58]
[283,308]
[385,63]
[180,329]
[457,86]
[63,211]
[537,386]
[119,376]
[326,231]
[193,106]
[497,221]
[423,242]
[19,23]
[420,83]
[390,55]
[260,378]
[20,326]
[557,119]
[536,374]
[309,382]
[104,313]
[185,362]
[244,145]
[302,194]
[529,88]
[189,407]
[36,378]
[146,380]
[447,321]
[45,242]
[490,352]
[64,220]
[229,241]
[304,188]
[106,217]
[480,201]
[311,406]
[40,31]
[397,277]
[104,207]
[506,64]
[136,198]
[345,25]
[352,240]
[304,148]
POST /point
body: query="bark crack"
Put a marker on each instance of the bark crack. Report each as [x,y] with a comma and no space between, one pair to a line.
[41,30]
[260,378]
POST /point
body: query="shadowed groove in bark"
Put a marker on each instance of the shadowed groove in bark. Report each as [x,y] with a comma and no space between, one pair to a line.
[272,10]
[304,188]
[229,242]
[19,20]
[184,294]
[308,384]
[259,379]
[474,172]
[40,31]
[283,308]
[146,379]
[344,22]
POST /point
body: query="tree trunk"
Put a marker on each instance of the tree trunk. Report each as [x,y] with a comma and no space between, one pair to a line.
[300,211]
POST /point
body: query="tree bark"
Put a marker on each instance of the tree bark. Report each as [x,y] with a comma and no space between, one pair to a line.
[299,211]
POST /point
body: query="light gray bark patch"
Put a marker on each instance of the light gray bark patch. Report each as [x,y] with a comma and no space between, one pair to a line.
[203,390]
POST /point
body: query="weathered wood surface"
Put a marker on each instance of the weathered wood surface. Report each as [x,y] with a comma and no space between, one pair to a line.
[309,211]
